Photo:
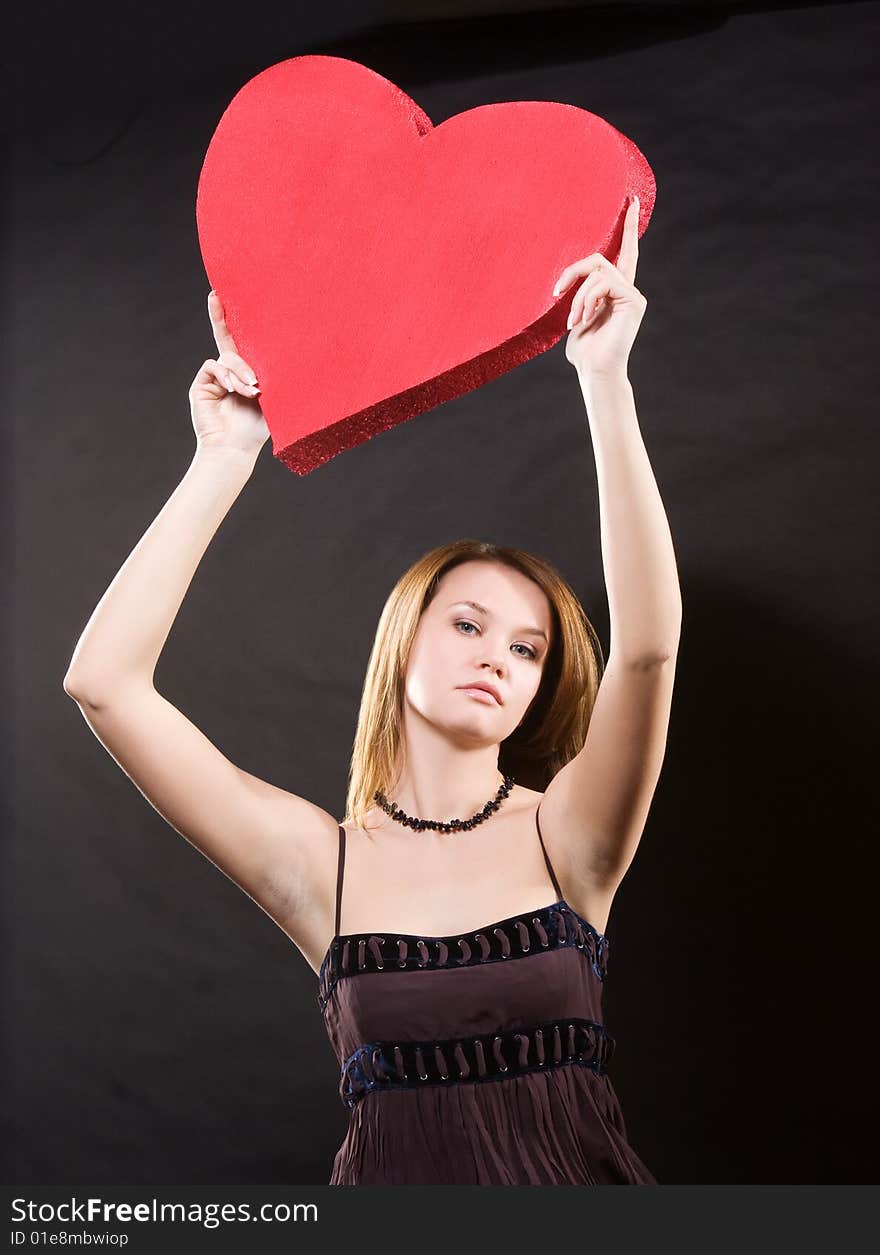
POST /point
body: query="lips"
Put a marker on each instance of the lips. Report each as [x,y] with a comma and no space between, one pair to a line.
[486,688]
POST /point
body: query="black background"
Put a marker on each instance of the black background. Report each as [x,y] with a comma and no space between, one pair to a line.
[157,1026]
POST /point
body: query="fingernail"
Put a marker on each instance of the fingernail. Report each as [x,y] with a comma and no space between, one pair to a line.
[570,321]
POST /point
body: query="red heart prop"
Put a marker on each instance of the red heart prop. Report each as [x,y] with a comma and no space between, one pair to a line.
[372,265]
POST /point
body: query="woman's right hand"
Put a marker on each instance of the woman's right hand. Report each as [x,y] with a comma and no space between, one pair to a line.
[225,407]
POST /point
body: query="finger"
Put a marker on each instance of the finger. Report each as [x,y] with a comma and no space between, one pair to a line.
[578,270]
[210,375]
[234,383]
[601,303]
[596,300]
[582,298]
[225,343]
[240,366]
[222,335]
[218,374]
[588,300]
[629,249]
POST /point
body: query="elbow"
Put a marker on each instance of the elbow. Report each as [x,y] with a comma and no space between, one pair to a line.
[82,693]
[72,687]
[666,650]
[651,659]
[99,693]
[648,656]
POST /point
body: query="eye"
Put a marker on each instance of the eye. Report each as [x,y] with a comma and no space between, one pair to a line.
[530,653]
[463,623]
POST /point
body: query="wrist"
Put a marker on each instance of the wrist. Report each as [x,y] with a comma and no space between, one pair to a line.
[235,460]
[612,374]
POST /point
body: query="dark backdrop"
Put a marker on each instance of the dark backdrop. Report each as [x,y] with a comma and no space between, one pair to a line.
[158,1027]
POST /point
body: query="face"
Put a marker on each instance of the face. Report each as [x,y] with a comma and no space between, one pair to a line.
[502,641]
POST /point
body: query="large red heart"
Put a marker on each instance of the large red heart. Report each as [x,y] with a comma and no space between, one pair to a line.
[372,265]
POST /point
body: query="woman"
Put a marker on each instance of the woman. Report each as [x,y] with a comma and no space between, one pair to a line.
[470,1052]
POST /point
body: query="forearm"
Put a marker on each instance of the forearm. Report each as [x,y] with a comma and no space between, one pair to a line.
[641,578]
[130,625]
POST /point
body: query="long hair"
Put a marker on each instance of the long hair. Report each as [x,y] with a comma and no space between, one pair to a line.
[554,727]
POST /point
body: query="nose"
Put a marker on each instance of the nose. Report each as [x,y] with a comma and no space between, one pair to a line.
[494,662]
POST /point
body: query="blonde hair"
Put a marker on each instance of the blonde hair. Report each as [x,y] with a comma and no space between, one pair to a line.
[555,725]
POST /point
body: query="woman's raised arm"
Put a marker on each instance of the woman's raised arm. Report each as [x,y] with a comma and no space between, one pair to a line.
[268,841]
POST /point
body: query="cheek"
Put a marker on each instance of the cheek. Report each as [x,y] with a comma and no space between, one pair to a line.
[530,686]
[418,689]
[426,673]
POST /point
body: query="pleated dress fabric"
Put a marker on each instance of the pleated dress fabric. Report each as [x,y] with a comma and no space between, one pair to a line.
[479,1058]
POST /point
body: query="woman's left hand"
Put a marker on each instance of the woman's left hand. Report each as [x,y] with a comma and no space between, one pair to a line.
[607,309]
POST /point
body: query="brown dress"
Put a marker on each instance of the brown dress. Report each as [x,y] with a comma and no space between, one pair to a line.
[476,1059]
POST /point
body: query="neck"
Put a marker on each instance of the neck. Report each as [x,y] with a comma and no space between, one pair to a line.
[441,778]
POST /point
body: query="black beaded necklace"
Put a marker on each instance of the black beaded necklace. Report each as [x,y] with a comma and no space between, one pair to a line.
[453,825]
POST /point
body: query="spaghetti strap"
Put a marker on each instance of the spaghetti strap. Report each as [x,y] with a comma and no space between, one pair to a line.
[559,894]
[340,869]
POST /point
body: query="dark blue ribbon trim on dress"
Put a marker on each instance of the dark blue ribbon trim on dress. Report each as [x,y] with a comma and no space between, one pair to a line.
[531,933]
[491,1057]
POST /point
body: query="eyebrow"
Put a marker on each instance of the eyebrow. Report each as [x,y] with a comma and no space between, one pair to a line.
[532,631]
